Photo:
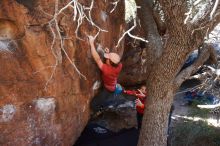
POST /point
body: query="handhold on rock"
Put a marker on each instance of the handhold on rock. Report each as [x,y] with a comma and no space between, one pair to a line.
[8,30]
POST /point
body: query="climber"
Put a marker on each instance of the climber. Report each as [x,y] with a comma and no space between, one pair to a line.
[140,94]
[110,70]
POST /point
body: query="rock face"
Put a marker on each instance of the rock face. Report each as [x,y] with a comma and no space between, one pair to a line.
[134,70]
[43,99]
[135,60]
[117,116]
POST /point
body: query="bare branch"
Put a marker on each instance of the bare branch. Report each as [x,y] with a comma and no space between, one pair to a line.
[115,5]
[188,15]
[197,2]
[47,67]
[212,82]
[209,18]
[51,76]
[129,34]
[214,9]
[56,31]
[89,19]
[200,77]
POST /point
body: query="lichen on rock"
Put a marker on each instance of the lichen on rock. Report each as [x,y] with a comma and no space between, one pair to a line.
[7,112]
[45,105]
[44,94]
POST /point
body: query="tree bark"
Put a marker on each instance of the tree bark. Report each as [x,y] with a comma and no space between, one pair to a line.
[154,127]
[160,94]
[149,25]
[160,82]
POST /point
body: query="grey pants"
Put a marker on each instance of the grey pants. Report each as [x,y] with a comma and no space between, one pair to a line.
[104,99]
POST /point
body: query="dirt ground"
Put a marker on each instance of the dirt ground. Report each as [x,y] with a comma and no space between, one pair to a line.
[191,126]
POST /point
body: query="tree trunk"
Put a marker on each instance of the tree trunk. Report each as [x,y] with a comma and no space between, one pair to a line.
[160,94]
[161,86]
[181,40]
[155,121]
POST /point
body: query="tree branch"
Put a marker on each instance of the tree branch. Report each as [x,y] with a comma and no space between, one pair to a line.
[209,19]
[149,26]
[214,9]
[206,53]
[161,26]
[131,35]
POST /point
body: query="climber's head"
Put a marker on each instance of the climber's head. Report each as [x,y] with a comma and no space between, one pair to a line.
[112,59]
[143,89]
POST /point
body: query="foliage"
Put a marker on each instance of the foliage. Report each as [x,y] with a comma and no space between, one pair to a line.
[190,133]
[197,112]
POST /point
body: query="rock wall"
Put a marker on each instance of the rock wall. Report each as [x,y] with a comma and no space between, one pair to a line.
[43,99]
[135,68]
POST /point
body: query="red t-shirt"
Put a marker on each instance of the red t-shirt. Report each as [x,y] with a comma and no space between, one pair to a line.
[142,97]
[110,75]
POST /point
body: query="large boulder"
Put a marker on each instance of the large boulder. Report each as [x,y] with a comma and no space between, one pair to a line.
[44,100]
[118,116]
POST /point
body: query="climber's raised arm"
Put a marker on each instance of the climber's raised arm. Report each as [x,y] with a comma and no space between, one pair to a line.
[94,53]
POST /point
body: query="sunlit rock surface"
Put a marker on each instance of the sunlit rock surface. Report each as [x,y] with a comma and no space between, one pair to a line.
[43,100]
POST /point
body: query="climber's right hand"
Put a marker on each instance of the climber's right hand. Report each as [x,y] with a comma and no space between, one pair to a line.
[91,39]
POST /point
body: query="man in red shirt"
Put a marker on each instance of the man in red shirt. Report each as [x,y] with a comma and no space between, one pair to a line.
[140,94]
[110,71]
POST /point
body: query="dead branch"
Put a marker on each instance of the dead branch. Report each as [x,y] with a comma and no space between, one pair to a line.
[79,16]
[212,82]
[200,77]
[209,19]
[188,14]
[63,49]
[214,9]
[128,32]
[115,5]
